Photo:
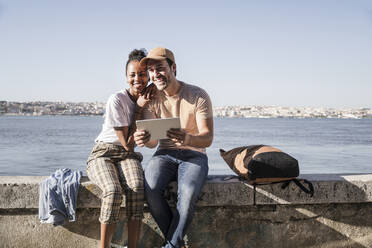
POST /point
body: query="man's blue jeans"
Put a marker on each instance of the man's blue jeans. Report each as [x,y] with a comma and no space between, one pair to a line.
[190,169]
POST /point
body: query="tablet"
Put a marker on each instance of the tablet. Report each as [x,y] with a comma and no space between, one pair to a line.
[158,127]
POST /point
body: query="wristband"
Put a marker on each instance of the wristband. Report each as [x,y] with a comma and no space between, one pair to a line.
[187,139]
[138,110]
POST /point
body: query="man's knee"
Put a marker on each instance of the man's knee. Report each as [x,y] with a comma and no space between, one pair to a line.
[152,185]
[187,197]
[152,180]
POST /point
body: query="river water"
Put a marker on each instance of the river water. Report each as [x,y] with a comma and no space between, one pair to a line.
[39,145]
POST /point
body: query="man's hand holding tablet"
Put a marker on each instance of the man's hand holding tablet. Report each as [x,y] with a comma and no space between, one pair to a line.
[178,136]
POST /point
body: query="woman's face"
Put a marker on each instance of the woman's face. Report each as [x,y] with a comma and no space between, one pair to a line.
[137,77]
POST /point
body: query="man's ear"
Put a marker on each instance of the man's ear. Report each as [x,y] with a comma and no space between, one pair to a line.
[174,68]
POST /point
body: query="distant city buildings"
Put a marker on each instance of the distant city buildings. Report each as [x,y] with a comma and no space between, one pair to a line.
[51,108]
[98,108]
[290,112]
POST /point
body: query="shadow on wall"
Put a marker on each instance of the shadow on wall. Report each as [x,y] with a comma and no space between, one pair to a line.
[272,221]
[341,223]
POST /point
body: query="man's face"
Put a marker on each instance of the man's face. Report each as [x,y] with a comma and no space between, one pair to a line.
[160,73]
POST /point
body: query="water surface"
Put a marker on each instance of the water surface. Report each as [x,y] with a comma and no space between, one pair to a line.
[39,145]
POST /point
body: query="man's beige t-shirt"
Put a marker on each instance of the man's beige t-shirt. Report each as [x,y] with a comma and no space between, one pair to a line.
[191,102]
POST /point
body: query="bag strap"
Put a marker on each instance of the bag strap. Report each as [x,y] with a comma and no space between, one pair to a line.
[285,184]
[309,191]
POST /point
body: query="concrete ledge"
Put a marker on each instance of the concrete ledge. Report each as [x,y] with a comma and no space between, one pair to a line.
[337,216]
[22,192]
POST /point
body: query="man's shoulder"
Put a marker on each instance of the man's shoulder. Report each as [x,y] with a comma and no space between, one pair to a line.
[193,89]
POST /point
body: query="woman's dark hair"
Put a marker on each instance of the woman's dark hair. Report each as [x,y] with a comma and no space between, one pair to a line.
[136,55]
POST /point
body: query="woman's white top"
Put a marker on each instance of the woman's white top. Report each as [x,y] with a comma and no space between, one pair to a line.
[119,113]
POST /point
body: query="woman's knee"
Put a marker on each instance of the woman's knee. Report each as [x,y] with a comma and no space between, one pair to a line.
[112,191]
[136,187]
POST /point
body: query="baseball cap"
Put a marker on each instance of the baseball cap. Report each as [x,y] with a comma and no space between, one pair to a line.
[158,53]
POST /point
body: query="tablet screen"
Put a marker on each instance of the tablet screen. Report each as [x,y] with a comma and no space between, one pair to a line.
[158,127]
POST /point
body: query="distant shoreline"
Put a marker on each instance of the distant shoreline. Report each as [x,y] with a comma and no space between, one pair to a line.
[38,108]
[222,117]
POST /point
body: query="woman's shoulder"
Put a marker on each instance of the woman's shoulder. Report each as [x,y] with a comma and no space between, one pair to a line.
[118,97]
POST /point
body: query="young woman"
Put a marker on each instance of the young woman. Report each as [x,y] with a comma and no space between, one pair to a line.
[113,165]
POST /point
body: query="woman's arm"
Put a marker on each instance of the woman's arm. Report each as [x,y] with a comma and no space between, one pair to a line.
[142,138]
[122,133]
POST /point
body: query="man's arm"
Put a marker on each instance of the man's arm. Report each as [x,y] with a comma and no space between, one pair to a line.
[205,136]
[202,140]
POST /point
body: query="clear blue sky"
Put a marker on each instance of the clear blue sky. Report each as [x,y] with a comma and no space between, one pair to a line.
[286,53]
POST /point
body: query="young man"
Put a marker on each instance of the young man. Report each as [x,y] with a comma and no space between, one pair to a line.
[181,157]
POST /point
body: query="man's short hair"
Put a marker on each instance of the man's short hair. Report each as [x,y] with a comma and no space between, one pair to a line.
[170,63]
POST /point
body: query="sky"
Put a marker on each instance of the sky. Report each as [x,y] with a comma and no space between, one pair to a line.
[281,53]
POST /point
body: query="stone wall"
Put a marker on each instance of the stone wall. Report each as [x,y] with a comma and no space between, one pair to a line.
[338,215]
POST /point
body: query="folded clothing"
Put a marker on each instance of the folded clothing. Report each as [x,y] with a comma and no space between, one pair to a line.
[58,196]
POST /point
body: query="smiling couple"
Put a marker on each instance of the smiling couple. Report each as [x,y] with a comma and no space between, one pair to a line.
[115,167]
